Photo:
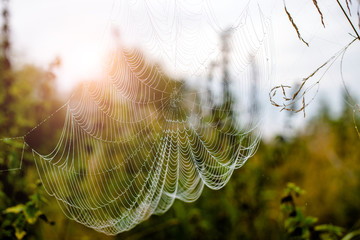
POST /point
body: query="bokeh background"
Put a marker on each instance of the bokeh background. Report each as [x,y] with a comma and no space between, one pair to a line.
[50,47]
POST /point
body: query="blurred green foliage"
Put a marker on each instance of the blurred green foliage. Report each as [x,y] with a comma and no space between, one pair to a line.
[299,226]
[18,220]
[33,97]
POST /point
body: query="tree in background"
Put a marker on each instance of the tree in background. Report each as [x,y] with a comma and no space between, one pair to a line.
[6,78]
[27,96]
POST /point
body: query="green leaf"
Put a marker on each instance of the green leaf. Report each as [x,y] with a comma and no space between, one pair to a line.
[35,198]
[292,188]
[351,235]
[310,220]
[15,209]
[19,223]
[31,213]
[290,224]
[338,231]
[19,233]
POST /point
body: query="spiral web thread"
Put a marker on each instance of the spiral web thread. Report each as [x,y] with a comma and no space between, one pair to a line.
[134,142]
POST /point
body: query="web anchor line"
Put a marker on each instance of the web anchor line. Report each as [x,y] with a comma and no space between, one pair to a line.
[23,137]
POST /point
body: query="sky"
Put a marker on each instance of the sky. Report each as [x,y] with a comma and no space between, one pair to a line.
[78,32]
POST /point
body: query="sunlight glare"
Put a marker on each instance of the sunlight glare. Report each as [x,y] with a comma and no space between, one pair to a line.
[82,63]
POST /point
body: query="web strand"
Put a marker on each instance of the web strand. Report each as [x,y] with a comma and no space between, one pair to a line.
[134,142]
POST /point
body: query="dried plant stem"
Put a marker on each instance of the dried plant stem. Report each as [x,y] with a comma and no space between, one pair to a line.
[348,7]
[347,17]
[319,11]
[288,104]
[294,25]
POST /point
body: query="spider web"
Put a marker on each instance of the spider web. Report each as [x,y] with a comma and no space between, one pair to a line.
[134,142]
